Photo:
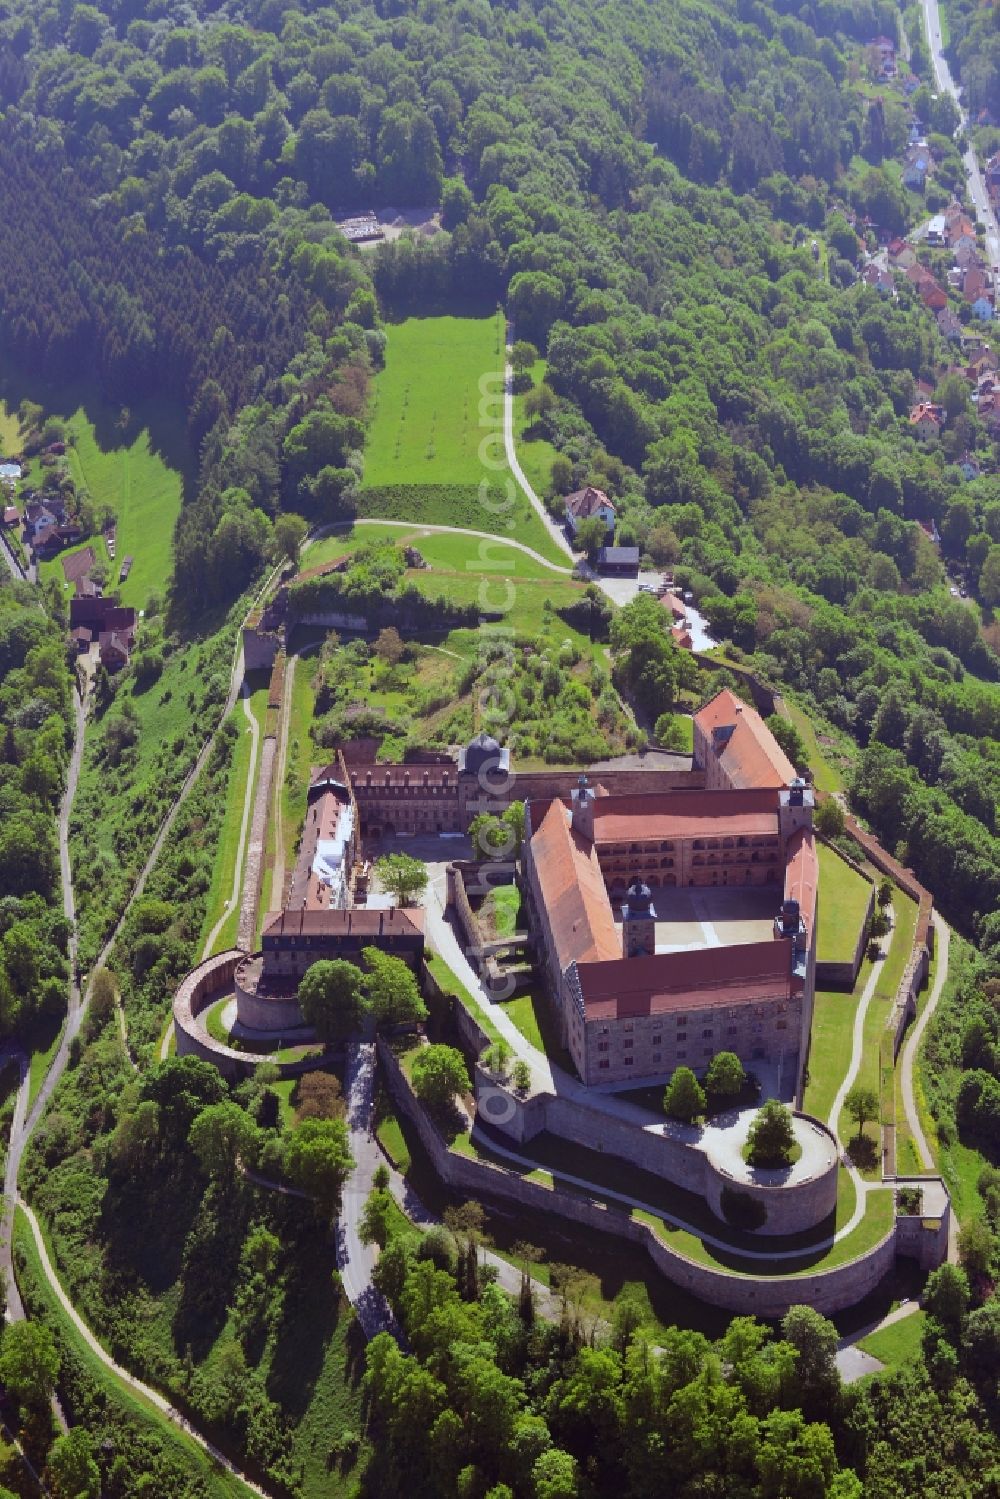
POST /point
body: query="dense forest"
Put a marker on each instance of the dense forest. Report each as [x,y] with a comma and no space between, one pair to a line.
[37,717]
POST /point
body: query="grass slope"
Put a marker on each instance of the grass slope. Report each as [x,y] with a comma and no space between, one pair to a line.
[843,904]
[211,1481]
[437,432]
[146,497]
[426,425]
[224,867]
[899,1343]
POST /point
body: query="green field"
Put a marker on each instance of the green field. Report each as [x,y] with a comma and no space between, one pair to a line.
[826,762]
[535,455]
[144,494]
[131,458]
[830,1046]
[224,867]
[427,421]
[10,431]
[843,904]
[899,1343]
[532,1014]
[437,432]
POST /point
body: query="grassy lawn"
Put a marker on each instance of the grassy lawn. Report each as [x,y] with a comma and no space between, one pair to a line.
[532,1014]
[426,427]
[875,1022]
[10,431]
[558,1156]
[501,910]
[43,1045]
[535,455]
[202,1472]
[843,904]
[899,1343]
[437,430]
[827,763]
[449,984]
[390,1137]
[224,868]
[212,1018]
[830,1049]
[143,492]
[133,459]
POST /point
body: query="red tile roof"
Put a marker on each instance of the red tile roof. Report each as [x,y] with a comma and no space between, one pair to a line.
[749,755]
[397,921]
[685,814]
[697,979]
[585,502]
[573,891]
[802,874]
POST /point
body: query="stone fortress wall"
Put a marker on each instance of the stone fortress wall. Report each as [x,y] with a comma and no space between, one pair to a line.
[670,1151]
[202,987]
[761,1295]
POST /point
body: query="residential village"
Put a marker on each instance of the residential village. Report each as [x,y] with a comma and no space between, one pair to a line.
[46,523]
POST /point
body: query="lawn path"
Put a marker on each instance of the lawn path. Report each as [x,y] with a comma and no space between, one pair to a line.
[145,1391]
[418,526]
[555,532]
[912,1045]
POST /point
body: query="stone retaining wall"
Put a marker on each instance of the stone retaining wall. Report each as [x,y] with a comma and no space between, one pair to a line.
[668,1153]
[203,985]
[765,1296]
[260,1013]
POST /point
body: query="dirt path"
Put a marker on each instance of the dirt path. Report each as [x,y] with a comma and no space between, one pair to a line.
[145,1391]
[912,1044]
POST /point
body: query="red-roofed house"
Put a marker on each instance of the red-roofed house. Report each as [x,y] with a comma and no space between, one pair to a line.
[735,748]
[926,420]
[585,504]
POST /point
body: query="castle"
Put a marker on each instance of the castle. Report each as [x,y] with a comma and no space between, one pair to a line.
[672,926]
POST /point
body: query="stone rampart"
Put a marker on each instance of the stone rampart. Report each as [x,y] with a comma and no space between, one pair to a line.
[197,991]
[278,1014]
[672,1152]
[763,1295]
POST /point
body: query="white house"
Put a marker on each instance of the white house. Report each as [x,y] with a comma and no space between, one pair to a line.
[583,504]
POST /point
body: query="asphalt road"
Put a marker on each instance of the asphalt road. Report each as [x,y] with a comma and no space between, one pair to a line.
[977,186]
[356,1260]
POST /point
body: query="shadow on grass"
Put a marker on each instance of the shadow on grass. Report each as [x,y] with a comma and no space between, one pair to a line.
[863,1152]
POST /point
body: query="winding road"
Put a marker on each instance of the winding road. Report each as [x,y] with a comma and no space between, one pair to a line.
[25,1121]
[912,1045]
[973,172]
[555,532]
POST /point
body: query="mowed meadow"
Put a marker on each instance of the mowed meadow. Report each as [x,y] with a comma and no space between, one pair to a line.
[436,432]
[129,458]
[426,422]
